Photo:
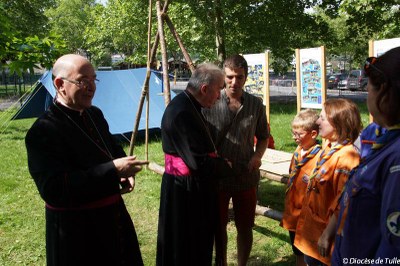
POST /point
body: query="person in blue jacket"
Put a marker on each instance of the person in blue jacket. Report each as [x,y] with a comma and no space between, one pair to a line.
[368,229]
[368,138]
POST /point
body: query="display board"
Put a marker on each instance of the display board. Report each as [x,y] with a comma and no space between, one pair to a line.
[378,48]
[382,46]
[311,65]
[257,82]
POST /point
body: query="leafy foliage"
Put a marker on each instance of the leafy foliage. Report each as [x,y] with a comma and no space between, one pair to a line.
[361,21]
[69,18]
[27,16]
[20,51]
[209,29]
[249,27]
[121,28]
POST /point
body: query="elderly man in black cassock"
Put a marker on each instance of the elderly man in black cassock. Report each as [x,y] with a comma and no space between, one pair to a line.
[80,173]
[188,212]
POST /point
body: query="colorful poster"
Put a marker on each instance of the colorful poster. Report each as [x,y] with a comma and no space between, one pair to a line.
[310,78]
[382,46]
[255,82]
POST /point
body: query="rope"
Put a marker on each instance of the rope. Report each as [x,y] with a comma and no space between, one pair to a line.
[7,115]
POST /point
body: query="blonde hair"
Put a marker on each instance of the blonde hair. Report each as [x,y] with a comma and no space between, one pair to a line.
[307,120]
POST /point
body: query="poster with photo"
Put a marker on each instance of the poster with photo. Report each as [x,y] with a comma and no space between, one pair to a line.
[255,83]
[382,46]
[311,78]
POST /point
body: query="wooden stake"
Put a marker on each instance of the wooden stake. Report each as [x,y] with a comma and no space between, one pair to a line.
[179,41]
[167,94]
[146,149]
[268,212]
[145,87]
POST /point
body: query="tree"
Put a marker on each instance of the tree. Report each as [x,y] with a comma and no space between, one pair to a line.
[27,16]
[69,19]
[120,27]
[21,51]
[363,20]
[250,26]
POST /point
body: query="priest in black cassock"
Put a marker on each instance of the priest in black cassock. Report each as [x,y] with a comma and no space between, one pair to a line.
[188,205]
[80,173]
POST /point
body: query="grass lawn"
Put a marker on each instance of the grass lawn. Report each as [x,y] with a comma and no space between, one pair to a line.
[22,234]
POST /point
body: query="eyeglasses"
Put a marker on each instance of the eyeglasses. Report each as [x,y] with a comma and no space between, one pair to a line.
[298,134]
[83,83]
[369,63]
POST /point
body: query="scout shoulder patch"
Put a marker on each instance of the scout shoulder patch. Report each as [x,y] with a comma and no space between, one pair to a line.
[393,223]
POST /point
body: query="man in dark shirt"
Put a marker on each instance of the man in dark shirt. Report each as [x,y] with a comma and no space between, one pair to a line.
[80,173]
[235,119]
[188,206]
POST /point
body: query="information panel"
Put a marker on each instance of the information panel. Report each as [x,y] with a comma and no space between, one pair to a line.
[382,46]
[255,83]
[311,78]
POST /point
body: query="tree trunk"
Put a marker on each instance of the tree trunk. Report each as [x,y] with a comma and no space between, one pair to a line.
[219,32]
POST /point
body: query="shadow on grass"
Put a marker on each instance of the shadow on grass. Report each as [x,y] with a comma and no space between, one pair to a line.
[265,231]
[256,260]
[154,136]
[271,194]
[271,259]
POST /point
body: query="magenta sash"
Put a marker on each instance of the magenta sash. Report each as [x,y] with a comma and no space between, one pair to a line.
[174,165]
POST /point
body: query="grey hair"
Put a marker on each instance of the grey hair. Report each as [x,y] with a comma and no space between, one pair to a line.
[206,73]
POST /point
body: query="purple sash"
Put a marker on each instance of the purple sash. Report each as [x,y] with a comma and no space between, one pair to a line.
[174,165]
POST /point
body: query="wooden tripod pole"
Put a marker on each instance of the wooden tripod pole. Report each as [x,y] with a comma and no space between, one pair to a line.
[179,41]
[145,88]
[167,94]
[146,150]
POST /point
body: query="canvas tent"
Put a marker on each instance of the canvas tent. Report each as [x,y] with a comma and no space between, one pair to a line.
[117,95]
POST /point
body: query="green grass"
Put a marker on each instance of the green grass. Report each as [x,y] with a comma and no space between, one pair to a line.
[22,224]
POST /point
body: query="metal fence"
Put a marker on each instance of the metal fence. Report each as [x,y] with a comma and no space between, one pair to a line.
[289,87]
[282,82]
[13,84]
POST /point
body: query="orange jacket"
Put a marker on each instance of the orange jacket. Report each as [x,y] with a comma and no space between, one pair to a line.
[321,201]
[295,195]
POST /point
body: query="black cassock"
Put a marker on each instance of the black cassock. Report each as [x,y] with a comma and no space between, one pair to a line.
[188,205]
[70,159]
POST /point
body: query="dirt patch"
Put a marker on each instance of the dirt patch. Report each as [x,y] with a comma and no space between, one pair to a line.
[7,102]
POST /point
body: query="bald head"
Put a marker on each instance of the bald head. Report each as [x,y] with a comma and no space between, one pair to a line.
[74,79]
[67,64]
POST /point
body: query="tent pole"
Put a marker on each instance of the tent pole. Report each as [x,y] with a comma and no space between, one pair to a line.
[145,87]
[163,45]
[146,152]
[180,43]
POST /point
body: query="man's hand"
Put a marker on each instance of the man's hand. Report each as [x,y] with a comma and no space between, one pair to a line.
[254,163]
[128,166]
[127,184]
